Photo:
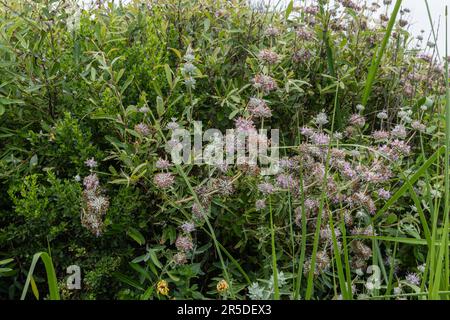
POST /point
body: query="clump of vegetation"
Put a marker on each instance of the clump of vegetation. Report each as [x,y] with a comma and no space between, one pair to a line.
[356,206]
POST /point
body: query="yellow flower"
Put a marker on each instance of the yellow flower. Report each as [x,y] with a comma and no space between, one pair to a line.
[162,287]
[222,286]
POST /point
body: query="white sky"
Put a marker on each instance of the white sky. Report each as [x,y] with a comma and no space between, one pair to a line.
[418,16]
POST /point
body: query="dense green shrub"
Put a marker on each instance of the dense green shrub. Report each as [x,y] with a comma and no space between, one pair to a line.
[84,111]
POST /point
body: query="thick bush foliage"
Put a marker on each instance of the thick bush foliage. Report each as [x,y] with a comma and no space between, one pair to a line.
[89,99]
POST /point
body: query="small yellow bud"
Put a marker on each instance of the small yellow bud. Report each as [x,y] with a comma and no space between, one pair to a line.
[162,287]
[222,286]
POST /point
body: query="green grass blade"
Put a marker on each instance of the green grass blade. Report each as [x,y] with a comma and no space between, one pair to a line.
[346,256]
[337,257]
[404,188]
[303,239]
[276,294]
[228,254]
[310,281]
[330,57]
[392,269]
[379,54]
[441,270]
[412,241]
[51,275]
[422,217]
[195,197]
[432,26]
[208,223]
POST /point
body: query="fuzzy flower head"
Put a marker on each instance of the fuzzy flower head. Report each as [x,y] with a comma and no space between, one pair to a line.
[144,110]
[357,120]
[302,56]
[184,243]
[260,204]
[268,56]
[313,10]
[367,231]
[258,108]
[91,182]
[382,115]
[162,164]
[188,69]
[224,186]
[304,34]
[384,194]
[163,180]
[320,138]
[380,135]
[311,204]
[355,153]
[266,188]
[350,4]
[400,147]
[321,119]
[417,125]
[198,211]
[190,82]
[422,268]
[425,57]
[327,234]
[189,56]
[91,163]
[307,131]
[286,181]
[188,227]
[142,129]
[244,125]
[264,83]
[399,132]
[173,124]
[405,115]
[338,135]
[287,163]
[180,258]
[403,23]
[347,170]
[413,278]
[98,204]
[256,292]
[272,31]
[173,144]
